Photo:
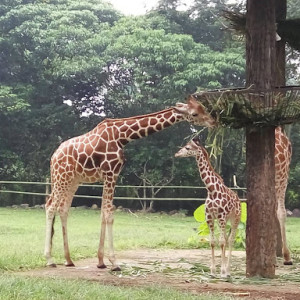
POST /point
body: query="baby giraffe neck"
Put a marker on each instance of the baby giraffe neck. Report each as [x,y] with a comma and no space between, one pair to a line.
[207,173]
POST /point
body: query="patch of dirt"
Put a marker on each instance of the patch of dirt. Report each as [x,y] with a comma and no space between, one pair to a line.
[185,270]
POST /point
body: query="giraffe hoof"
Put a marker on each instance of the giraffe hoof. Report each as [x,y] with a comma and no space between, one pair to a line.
[288,263]
[69,264]
[116,269]
[52,265]
[103,266]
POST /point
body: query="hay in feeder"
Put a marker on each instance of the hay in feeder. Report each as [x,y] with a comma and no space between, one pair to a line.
[241,107]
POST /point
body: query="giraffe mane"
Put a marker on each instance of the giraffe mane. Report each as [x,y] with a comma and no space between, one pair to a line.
[137,117]
[205,153]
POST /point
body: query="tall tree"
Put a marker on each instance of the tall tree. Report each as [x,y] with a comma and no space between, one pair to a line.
[261,207]
[48,55]
[202,19]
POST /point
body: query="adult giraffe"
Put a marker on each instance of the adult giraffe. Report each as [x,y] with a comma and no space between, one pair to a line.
[283,153]
[98,156]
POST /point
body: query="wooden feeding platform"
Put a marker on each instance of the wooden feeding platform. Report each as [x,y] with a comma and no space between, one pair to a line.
[240,107]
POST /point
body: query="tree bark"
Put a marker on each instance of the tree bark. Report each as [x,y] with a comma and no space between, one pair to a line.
[260,144]
[261,204]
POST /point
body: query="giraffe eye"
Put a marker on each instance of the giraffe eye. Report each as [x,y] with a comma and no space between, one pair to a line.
[194,115]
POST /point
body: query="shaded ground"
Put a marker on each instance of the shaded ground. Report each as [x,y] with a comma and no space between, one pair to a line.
[186,270]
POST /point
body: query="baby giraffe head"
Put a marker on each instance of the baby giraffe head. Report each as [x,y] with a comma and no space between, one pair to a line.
[192,148]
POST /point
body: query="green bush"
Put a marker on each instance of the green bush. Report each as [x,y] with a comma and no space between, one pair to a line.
[203,229]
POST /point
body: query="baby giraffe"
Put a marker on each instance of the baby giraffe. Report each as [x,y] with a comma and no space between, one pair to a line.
[221,204]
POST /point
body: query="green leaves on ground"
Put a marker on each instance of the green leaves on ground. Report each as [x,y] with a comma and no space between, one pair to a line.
[203,229]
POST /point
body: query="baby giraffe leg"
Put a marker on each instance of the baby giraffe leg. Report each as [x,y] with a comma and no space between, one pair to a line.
[222,242]
[230,244]
[210,223]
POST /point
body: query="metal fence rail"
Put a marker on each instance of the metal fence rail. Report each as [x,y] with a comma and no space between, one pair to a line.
[47,185]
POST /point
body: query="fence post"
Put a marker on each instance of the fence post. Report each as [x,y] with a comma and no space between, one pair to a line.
[234,181]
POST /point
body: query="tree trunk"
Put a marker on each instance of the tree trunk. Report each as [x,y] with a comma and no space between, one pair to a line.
[260,144]
[261,204]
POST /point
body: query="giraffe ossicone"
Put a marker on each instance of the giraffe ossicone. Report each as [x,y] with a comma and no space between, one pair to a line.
[221,204]
[97,156]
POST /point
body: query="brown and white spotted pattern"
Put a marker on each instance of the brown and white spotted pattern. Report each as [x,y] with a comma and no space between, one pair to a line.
[97,156]
[222,204]
[283,154]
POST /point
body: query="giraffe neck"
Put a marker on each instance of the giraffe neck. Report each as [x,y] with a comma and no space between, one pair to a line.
[129,129]
[207,173]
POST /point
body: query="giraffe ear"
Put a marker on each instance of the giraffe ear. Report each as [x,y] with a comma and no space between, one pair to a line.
[190,99]
[196,140]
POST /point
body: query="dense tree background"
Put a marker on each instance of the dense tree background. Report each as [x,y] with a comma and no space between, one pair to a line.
[67,64]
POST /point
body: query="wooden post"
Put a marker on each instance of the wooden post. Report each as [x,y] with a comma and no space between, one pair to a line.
[260,144]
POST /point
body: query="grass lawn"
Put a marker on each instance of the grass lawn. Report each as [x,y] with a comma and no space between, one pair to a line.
[22,241]
[22,235]
[18,287]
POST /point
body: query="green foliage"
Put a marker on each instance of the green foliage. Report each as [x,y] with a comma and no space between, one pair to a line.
[12,99]
[293,10]
[102,64]
[202,20]
[48,55]
[203,229]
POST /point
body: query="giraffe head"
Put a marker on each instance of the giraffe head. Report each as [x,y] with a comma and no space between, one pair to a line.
[192,148]
[194,112]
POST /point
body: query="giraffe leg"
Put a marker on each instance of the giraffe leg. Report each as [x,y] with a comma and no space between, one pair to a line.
[231,239]
[222,242]
[111,253]
[210,224]
[65,203]
[281,214]
[101,264]
[107,213]
[50,216]
[107,222]
[64,218]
